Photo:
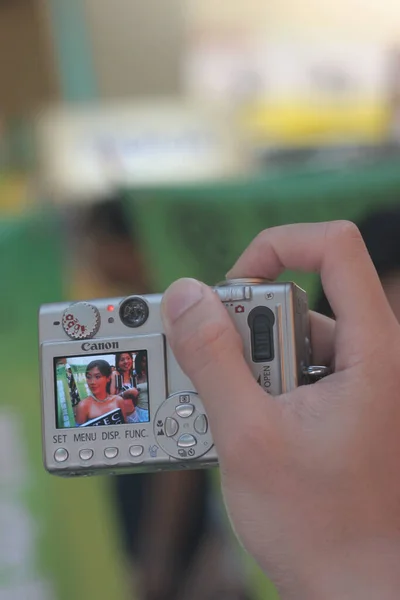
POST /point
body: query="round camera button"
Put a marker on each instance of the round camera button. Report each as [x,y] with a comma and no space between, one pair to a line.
[61,455]
[81,321]
[201,424]
[134,312]
[111,453]
[171,427]
[86,454]
[136,451]
[185,410]
[187,441]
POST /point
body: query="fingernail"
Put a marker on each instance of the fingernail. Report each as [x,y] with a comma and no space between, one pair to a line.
[228,275]
[179,297]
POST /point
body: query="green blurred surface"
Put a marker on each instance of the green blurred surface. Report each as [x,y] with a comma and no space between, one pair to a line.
[74,548]
[199,231]
[196,231]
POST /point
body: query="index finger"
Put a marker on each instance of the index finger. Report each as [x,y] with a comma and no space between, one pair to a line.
[337,251]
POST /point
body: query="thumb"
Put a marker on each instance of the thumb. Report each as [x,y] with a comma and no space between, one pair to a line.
[209,350]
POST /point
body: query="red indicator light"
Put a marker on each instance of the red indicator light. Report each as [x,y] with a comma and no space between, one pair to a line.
[110,308]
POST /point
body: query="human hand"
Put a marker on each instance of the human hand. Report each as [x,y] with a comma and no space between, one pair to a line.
[130,394]
[310,478]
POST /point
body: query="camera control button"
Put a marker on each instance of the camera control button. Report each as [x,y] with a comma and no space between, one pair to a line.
[81,321]
[262,338]
[261,321]
[61,455]
[134,312]
[201,424]
[184,398]
[86,454]
[185,410]
[187,441]
[171,427]
[111,453]
[235,293]
[136,451]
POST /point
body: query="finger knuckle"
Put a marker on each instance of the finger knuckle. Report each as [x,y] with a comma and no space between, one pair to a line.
[344,230]
[263,238]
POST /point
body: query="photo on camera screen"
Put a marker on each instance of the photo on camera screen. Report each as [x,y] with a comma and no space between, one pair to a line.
[100,390]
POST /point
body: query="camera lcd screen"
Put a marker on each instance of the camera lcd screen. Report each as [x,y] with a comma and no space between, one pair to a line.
[102,389]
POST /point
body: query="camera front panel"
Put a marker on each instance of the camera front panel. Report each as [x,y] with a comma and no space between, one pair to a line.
[85,431]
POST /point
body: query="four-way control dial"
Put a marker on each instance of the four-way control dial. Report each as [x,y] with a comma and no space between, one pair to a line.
[181,427]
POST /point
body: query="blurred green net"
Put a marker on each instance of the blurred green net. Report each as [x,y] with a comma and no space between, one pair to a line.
[199,231]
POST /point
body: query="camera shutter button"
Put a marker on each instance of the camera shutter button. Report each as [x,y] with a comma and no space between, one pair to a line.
[81,321]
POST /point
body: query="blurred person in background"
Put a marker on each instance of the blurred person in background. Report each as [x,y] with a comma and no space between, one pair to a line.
[380,230]
[172,524]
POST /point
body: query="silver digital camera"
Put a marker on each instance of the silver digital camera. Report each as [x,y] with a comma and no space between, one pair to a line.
[114,399]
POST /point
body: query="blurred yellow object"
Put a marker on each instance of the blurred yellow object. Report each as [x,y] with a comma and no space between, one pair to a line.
[299,123]
[14,194]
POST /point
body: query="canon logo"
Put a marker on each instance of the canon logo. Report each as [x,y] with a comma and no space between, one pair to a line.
[89,346]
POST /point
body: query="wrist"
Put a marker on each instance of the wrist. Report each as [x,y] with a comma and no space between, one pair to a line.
[367,574]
